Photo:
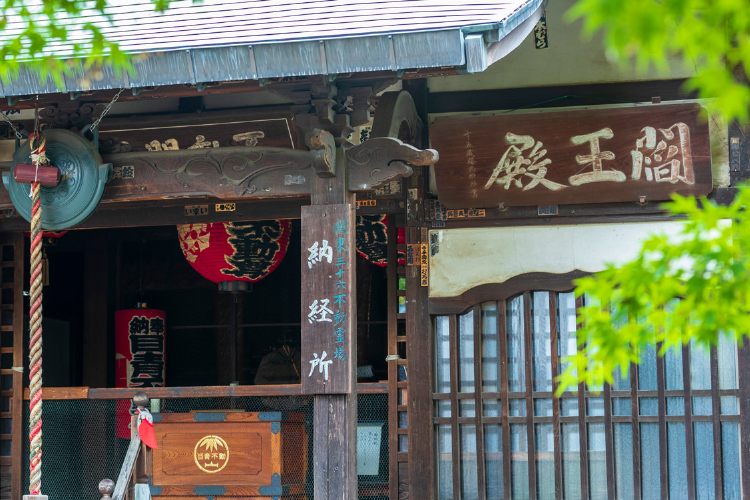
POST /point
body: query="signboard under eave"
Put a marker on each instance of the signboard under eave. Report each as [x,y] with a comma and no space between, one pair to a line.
[639,153]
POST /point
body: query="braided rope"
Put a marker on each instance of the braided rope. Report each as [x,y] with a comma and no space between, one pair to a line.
[35,333]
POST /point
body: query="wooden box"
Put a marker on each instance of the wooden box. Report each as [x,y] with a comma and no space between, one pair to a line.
[229,454]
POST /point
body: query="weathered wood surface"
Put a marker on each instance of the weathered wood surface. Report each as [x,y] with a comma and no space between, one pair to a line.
[128,464]
[14,322]
[502,291]
[169,212]
[328,260]
[397,117]
[381,160]
[244,454]
[640,153]
[420,349]
[323,146]
[594,94]
[335,415]
[226,173]
[245,172]
[266,128]
[58,393]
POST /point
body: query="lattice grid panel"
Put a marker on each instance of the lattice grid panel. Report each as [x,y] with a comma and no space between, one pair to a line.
[80,446]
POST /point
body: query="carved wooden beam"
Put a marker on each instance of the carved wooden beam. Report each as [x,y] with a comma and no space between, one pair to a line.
[381,160]
[225,173]
[246,172]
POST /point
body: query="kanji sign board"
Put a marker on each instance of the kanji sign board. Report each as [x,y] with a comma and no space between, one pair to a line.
[328,259]
[638,153]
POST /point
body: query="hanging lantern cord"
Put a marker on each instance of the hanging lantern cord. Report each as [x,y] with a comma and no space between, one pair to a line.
[35,324]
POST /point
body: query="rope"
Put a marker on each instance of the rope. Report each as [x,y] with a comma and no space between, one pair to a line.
[35,328]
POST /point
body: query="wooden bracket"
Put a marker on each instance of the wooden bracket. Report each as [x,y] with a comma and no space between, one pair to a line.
[383,159]
[397,116]
[323,149]
[324,111]
[361,105]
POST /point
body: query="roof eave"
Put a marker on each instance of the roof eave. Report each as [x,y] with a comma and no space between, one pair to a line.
[465,47]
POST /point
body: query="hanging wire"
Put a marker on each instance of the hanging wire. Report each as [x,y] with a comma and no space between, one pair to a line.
[567,96]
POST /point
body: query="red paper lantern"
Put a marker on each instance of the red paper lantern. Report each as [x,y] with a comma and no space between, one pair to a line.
[49,234]
[372,239]
[139,355]
[226,252]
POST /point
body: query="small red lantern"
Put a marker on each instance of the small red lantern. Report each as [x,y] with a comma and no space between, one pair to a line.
[139,355]
[235,253]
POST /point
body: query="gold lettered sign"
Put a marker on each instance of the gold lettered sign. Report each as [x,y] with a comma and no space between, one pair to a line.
[328,340]
[569,157]
[211,454]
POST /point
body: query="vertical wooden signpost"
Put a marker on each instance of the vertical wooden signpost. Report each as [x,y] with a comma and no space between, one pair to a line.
[329,337]
[329,293]
[327,298]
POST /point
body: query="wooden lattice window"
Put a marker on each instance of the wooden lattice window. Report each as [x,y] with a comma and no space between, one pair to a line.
[670,429]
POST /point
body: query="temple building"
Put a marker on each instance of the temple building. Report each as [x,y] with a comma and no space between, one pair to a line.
[329,250]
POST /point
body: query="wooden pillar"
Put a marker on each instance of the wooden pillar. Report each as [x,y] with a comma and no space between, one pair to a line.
[95,305]
[225,371]
[361,168]
[12,284]
[744,385]
[419,361]
[335,415]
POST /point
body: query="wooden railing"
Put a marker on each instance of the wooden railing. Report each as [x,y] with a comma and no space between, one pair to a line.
[138,456]
[133,470]
[58,393]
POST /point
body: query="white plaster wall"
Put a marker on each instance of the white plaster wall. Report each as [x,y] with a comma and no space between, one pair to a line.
[476,256]
[568,60]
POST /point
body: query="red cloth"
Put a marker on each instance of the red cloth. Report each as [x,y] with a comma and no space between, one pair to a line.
[146,429]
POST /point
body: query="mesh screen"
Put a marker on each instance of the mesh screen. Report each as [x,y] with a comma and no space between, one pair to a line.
[80,447]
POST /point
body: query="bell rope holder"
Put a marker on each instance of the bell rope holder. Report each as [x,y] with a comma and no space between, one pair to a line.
[72,180]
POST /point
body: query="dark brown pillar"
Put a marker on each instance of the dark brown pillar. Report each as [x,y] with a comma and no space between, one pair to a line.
[335,416]
[95,324]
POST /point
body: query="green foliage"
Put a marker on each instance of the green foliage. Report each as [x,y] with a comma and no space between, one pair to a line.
[713,36]
[41,34]
[694,286]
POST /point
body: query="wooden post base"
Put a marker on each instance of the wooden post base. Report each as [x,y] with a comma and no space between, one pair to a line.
[335,446]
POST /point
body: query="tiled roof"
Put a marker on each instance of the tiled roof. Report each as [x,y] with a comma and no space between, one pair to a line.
[241,39]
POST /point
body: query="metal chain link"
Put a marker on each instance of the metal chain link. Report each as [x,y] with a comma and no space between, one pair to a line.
[12,127]
[106,110]
[36,117]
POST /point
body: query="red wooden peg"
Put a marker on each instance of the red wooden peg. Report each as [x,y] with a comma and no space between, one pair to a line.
[26,173]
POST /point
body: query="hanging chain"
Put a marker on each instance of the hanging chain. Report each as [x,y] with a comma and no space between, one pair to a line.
[106,110]
[12,127]
[36,116]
